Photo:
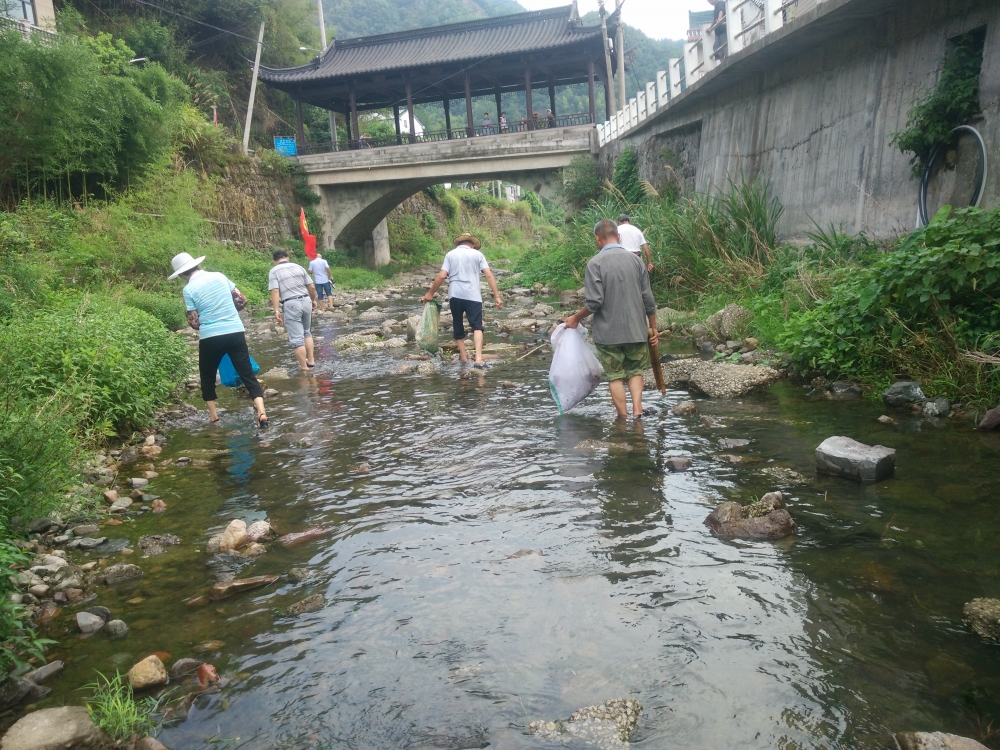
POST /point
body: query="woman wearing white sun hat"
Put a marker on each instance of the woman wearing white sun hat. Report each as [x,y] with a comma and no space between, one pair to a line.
[210,299]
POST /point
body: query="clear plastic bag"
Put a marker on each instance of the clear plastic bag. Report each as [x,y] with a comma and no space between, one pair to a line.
[575,371]
[427,331]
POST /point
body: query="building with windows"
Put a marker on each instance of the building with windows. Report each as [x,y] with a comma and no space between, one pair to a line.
[31,15]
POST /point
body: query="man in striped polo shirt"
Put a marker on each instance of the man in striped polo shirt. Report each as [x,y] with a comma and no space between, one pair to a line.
[293,298]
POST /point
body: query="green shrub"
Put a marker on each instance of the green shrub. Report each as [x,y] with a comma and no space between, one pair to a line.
[913,310]
[435,192]
[411,244]
[357,278]
[582,180]
[952,103]
[451,207]
[532,199]
[626,178]
[116,712]
[18,641]
[245,267]
[165,307]
[38,452]
[116,364]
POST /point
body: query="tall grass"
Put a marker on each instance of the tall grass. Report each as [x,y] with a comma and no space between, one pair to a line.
[116,712]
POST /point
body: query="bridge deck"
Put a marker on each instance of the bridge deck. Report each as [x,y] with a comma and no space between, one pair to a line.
[531,150]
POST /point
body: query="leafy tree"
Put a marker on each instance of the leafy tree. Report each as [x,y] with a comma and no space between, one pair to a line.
[626,177]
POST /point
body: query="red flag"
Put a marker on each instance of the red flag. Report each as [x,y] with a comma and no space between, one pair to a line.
[309,239]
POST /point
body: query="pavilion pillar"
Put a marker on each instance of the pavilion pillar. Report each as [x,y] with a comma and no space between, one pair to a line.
[447,116]
[499,98]
[527,99]
[301,131]
[399,132]
[552,95]
[608,93]
[333,129]
[470,128]
[409,108]
[591,93]
[350,132]
[355,126]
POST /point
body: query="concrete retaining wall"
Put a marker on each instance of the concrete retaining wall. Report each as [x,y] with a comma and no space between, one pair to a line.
[812,108]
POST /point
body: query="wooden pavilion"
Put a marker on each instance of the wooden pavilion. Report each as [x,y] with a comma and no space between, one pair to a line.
[441,64]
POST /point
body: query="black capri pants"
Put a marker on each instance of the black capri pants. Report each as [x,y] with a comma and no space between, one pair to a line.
[210,354]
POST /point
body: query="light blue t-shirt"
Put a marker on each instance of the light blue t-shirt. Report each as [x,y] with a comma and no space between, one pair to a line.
[211,294]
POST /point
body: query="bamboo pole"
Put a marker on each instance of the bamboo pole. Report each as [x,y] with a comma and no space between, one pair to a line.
[253,92]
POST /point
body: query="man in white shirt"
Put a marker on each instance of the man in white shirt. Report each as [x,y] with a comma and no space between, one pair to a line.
[634,240]
[462,267]
[320,270]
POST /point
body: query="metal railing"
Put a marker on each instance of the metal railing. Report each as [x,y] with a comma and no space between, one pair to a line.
[27,29]
[431,136]
[745,22]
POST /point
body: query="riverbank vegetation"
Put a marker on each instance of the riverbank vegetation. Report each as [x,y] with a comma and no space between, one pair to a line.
[922,306]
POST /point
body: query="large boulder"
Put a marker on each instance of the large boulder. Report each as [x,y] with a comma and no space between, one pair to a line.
[935,741]
[903,393]
[54,729]
[844,457]
[724,380]
[607,725]
[719,379]
[765,519]
[729,323]
[983,616]
[991,420]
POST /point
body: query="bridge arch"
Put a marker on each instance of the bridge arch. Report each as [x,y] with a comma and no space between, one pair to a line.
[358,189]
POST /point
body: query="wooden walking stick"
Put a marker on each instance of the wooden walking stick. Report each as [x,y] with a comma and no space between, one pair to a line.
[654,355]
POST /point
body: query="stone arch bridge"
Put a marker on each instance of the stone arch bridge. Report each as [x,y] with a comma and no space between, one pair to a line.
[358,188]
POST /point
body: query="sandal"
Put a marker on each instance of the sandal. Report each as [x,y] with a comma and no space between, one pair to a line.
[263,422]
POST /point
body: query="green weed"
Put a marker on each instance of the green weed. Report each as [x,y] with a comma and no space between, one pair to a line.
[116,712]
[18,640]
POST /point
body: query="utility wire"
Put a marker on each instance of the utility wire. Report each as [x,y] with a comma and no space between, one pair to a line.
[200,23]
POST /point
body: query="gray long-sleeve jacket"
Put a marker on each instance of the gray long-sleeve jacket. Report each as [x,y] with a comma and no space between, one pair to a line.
[618,294]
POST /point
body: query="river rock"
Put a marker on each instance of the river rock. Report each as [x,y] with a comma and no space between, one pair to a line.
[40,590]
[300,574]
[54,729]
[234,537]
[116,629]
[183,667]
[212,547]
[844,457]
[225,589]
[782,476]
[679,463]
[259,531]
[87,542]
[159,506]
[844,390]
[111,496]
[312,603]
[88,623]
[938,407]
[103,612]
[41,674]
[983,616]
[729,322]
[724,380]
[607,725]
[147,673]
[150,743]
[138,483]
[88,529]
[765,519]
[903,393]
[153,544]
[13,690]
[935,741]
[990,421]
[121,573]
[685,409]
[300,537]
[121,505]
[728,444]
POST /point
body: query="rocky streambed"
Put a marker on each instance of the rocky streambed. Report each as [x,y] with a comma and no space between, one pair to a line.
[422,555]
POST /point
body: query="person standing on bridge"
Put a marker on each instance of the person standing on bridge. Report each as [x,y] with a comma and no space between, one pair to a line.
[487,124]
[550,119]
[293,299]
[462,267]
[619,297]
[719,25]
[634,240]
[504,125]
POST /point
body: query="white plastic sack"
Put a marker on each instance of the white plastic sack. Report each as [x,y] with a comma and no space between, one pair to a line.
[575,371]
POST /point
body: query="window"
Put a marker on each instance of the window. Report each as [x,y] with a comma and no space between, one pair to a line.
[19,10]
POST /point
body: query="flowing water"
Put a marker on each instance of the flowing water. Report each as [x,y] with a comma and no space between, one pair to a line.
[492,568]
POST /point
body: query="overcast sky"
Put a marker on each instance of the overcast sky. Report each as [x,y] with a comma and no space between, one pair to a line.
[660,19]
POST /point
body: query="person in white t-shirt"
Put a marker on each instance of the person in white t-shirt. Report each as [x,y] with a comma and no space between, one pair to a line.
[462,267]
[634,240]
[320,270]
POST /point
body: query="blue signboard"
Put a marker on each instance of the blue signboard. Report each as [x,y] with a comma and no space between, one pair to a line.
[286,146]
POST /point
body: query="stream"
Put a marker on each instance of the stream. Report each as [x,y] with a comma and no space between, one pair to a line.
[492,568]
